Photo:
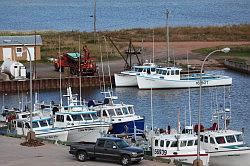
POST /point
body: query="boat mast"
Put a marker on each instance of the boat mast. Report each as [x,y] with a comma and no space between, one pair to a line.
[189,96]
[79,70]
[153,46]
[60,72]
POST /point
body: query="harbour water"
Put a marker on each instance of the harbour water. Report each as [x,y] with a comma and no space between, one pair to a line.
[119,14]
[167,103]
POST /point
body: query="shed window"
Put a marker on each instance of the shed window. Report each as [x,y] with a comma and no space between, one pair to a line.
[19,51]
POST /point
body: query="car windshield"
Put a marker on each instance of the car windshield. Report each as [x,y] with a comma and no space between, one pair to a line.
[122,144]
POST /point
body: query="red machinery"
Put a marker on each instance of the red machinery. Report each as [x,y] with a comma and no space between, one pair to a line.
[78,64]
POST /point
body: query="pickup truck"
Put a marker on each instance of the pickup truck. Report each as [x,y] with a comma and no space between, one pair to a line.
[108,148]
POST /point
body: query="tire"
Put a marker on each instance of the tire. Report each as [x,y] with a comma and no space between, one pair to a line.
[81,156]
[125,160]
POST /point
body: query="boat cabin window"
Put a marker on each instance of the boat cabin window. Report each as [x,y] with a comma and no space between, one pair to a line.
[220,140]
[59,118]
[20,124]
[111,112]
[177,72]
[149,71]
[94,116]
[183,143]
[162,143]
[130,109]
[230,138]
[35,124]
[43,123]
[196,142]
[206,139]
[104,113]
[157,71]
[239,137]
[152,69]
[27,125]
[174,144]
[76,117]
[167,143]
[168,72]
[164,72]
[68,118]
[125,111]
[202,140]
[156,142]
[212,140]
[86,116]
[190,143]
[50,122]
[118,111]
[160,71]
[172,72]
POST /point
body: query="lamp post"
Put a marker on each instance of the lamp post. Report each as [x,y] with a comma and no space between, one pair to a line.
[198,161]
[31,105]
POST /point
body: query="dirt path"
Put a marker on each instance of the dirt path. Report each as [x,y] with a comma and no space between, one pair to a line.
[178,49]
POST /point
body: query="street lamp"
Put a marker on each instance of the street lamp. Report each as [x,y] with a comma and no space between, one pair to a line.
[31,106]
[198,161]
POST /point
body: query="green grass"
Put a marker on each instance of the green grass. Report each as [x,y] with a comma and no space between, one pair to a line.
[69,40]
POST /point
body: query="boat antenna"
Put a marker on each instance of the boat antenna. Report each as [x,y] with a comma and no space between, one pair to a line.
[142,50]
[79,70]
[106,48]
[60,70]
[151,109]
[167,26]
[153,46]
[189,95]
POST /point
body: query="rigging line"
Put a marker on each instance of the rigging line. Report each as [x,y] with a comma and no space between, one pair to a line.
[100,47]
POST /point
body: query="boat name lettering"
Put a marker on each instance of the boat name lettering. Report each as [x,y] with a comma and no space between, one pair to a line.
[203,82]
[160,151]
[84,129]
[51,136]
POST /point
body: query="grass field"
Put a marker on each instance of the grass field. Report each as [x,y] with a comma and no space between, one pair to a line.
[72,41]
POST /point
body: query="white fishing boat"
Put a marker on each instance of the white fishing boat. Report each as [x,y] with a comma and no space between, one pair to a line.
[170,77]
[225,146]
[121,116]
[82,124]
[128,78]
[43,128]
[177,147]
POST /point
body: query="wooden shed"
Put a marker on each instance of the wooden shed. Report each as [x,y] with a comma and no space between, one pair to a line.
[17,47]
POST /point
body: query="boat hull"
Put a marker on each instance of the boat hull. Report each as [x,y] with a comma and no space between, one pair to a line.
[119,128]
[187,158]
[125,80]
[230,158]
[60,135]
[86,133]
[156,83]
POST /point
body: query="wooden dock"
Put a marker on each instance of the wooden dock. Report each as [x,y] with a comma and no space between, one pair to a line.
[52,83]
[237,66]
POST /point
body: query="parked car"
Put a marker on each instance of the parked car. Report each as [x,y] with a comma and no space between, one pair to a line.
[109,148]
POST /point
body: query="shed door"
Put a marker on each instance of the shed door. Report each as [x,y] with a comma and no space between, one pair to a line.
[32,52]
[7,53]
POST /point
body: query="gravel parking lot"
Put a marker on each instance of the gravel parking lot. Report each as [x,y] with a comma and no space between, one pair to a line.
[13,154]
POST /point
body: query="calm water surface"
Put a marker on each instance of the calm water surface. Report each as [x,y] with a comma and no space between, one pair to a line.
[167,103]
[119,14]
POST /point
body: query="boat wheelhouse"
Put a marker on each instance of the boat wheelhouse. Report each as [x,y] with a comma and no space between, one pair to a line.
[121,116]
[43,128]
[180,147]
[128,78]
[171,77]
[83,126]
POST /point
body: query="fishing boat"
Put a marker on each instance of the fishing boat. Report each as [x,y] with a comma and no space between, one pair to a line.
[128,77]
[177,147]
[122,116]
[43,128]
[82,124]
[171,77]
[225,146]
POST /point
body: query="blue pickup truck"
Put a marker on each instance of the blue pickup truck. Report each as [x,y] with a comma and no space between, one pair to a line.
[108,148]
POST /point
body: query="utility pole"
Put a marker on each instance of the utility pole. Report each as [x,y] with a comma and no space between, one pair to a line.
[167,16]
[94,22]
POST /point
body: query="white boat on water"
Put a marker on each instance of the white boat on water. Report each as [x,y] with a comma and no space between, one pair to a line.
[225,146]
[121,116]
[128,78]
[170,77]
[177,147]
[43,128]
[82,124]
